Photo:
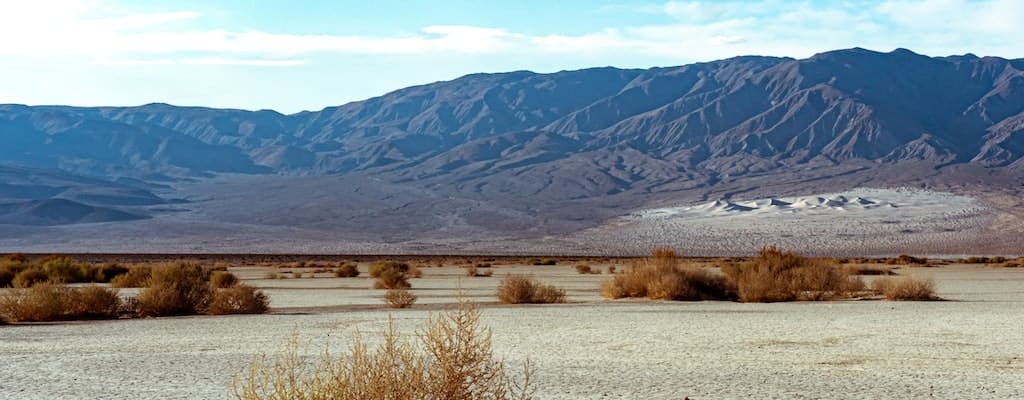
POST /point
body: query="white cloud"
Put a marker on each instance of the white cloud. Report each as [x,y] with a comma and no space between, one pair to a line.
[694,30]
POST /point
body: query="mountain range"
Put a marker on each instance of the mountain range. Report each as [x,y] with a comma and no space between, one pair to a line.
[523,154]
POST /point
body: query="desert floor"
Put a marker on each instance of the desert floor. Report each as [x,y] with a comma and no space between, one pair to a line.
[970,347]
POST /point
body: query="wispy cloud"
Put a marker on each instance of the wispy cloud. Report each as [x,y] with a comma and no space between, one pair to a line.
[691,30]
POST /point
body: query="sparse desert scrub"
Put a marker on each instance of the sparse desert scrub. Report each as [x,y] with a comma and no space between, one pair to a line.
[905,288]
[177,289]
[451,358]
[546,261]
[223,279]
[775,275]
[346,271]
[238,299]
[29,277]
[56,302]
[662,277]
[904,259]
[521,289]
[392,279]
[584,269]
[611,270]
[134,278]
[869,270]
[379,267]
[399,298]
[415,272]
[474,271]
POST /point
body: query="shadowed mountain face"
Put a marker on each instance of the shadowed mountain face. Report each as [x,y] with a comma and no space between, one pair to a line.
[569,148]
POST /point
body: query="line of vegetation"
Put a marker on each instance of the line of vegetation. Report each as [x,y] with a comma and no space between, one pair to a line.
[773,275]
[19,271]
[175,289]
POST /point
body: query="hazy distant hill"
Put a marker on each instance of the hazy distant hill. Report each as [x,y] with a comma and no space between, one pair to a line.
[549,151]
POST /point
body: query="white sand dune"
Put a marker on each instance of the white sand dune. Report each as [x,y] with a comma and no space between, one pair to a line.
[859,221]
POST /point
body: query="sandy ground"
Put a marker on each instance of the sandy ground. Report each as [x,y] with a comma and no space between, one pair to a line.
[969,347]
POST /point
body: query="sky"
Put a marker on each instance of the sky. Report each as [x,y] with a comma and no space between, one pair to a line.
[299,55]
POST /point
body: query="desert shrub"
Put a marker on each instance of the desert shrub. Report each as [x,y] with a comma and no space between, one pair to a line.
[271,275]
[222,279]
[16,258]
[63,269]
[238,299]
[905,289]
[134,278]
[95,302]
[56,302]
[41,302]
[399,298]
[297,274]
[29,277]
[415,272]
[776,275]
[904,259]
[378,267]
[347,271]
[662,277]
[482,265]
[451,358]
[6,276]
[611,270]
[583,269]
[106,272]
[474,271]
[177,289]
[520,289]
[392,278]
[868,270]
[546,261]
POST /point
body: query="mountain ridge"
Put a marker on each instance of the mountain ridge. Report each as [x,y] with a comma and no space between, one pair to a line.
[549,153]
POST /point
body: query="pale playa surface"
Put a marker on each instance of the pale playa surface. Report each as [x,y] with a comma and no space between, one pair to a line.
[972,347]
[855,222]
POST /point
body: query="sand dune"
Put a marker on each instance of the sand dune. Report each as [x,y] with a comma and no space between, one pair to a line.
[861,221]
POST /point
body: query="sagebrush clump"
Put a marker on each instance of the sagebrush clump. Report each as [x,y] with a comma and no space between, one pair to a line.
[346,271]
[399,298]
[521,289]
[451,358]
[775,275]
[663,277]
[56,302]
[905,288]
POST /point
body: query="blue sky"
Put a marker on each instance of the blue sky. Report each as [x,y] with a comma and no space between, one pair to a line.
[306,55]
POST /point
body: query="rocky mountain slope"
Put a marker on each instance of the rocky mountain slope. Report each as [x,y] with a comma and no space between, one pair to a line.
[539,152]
